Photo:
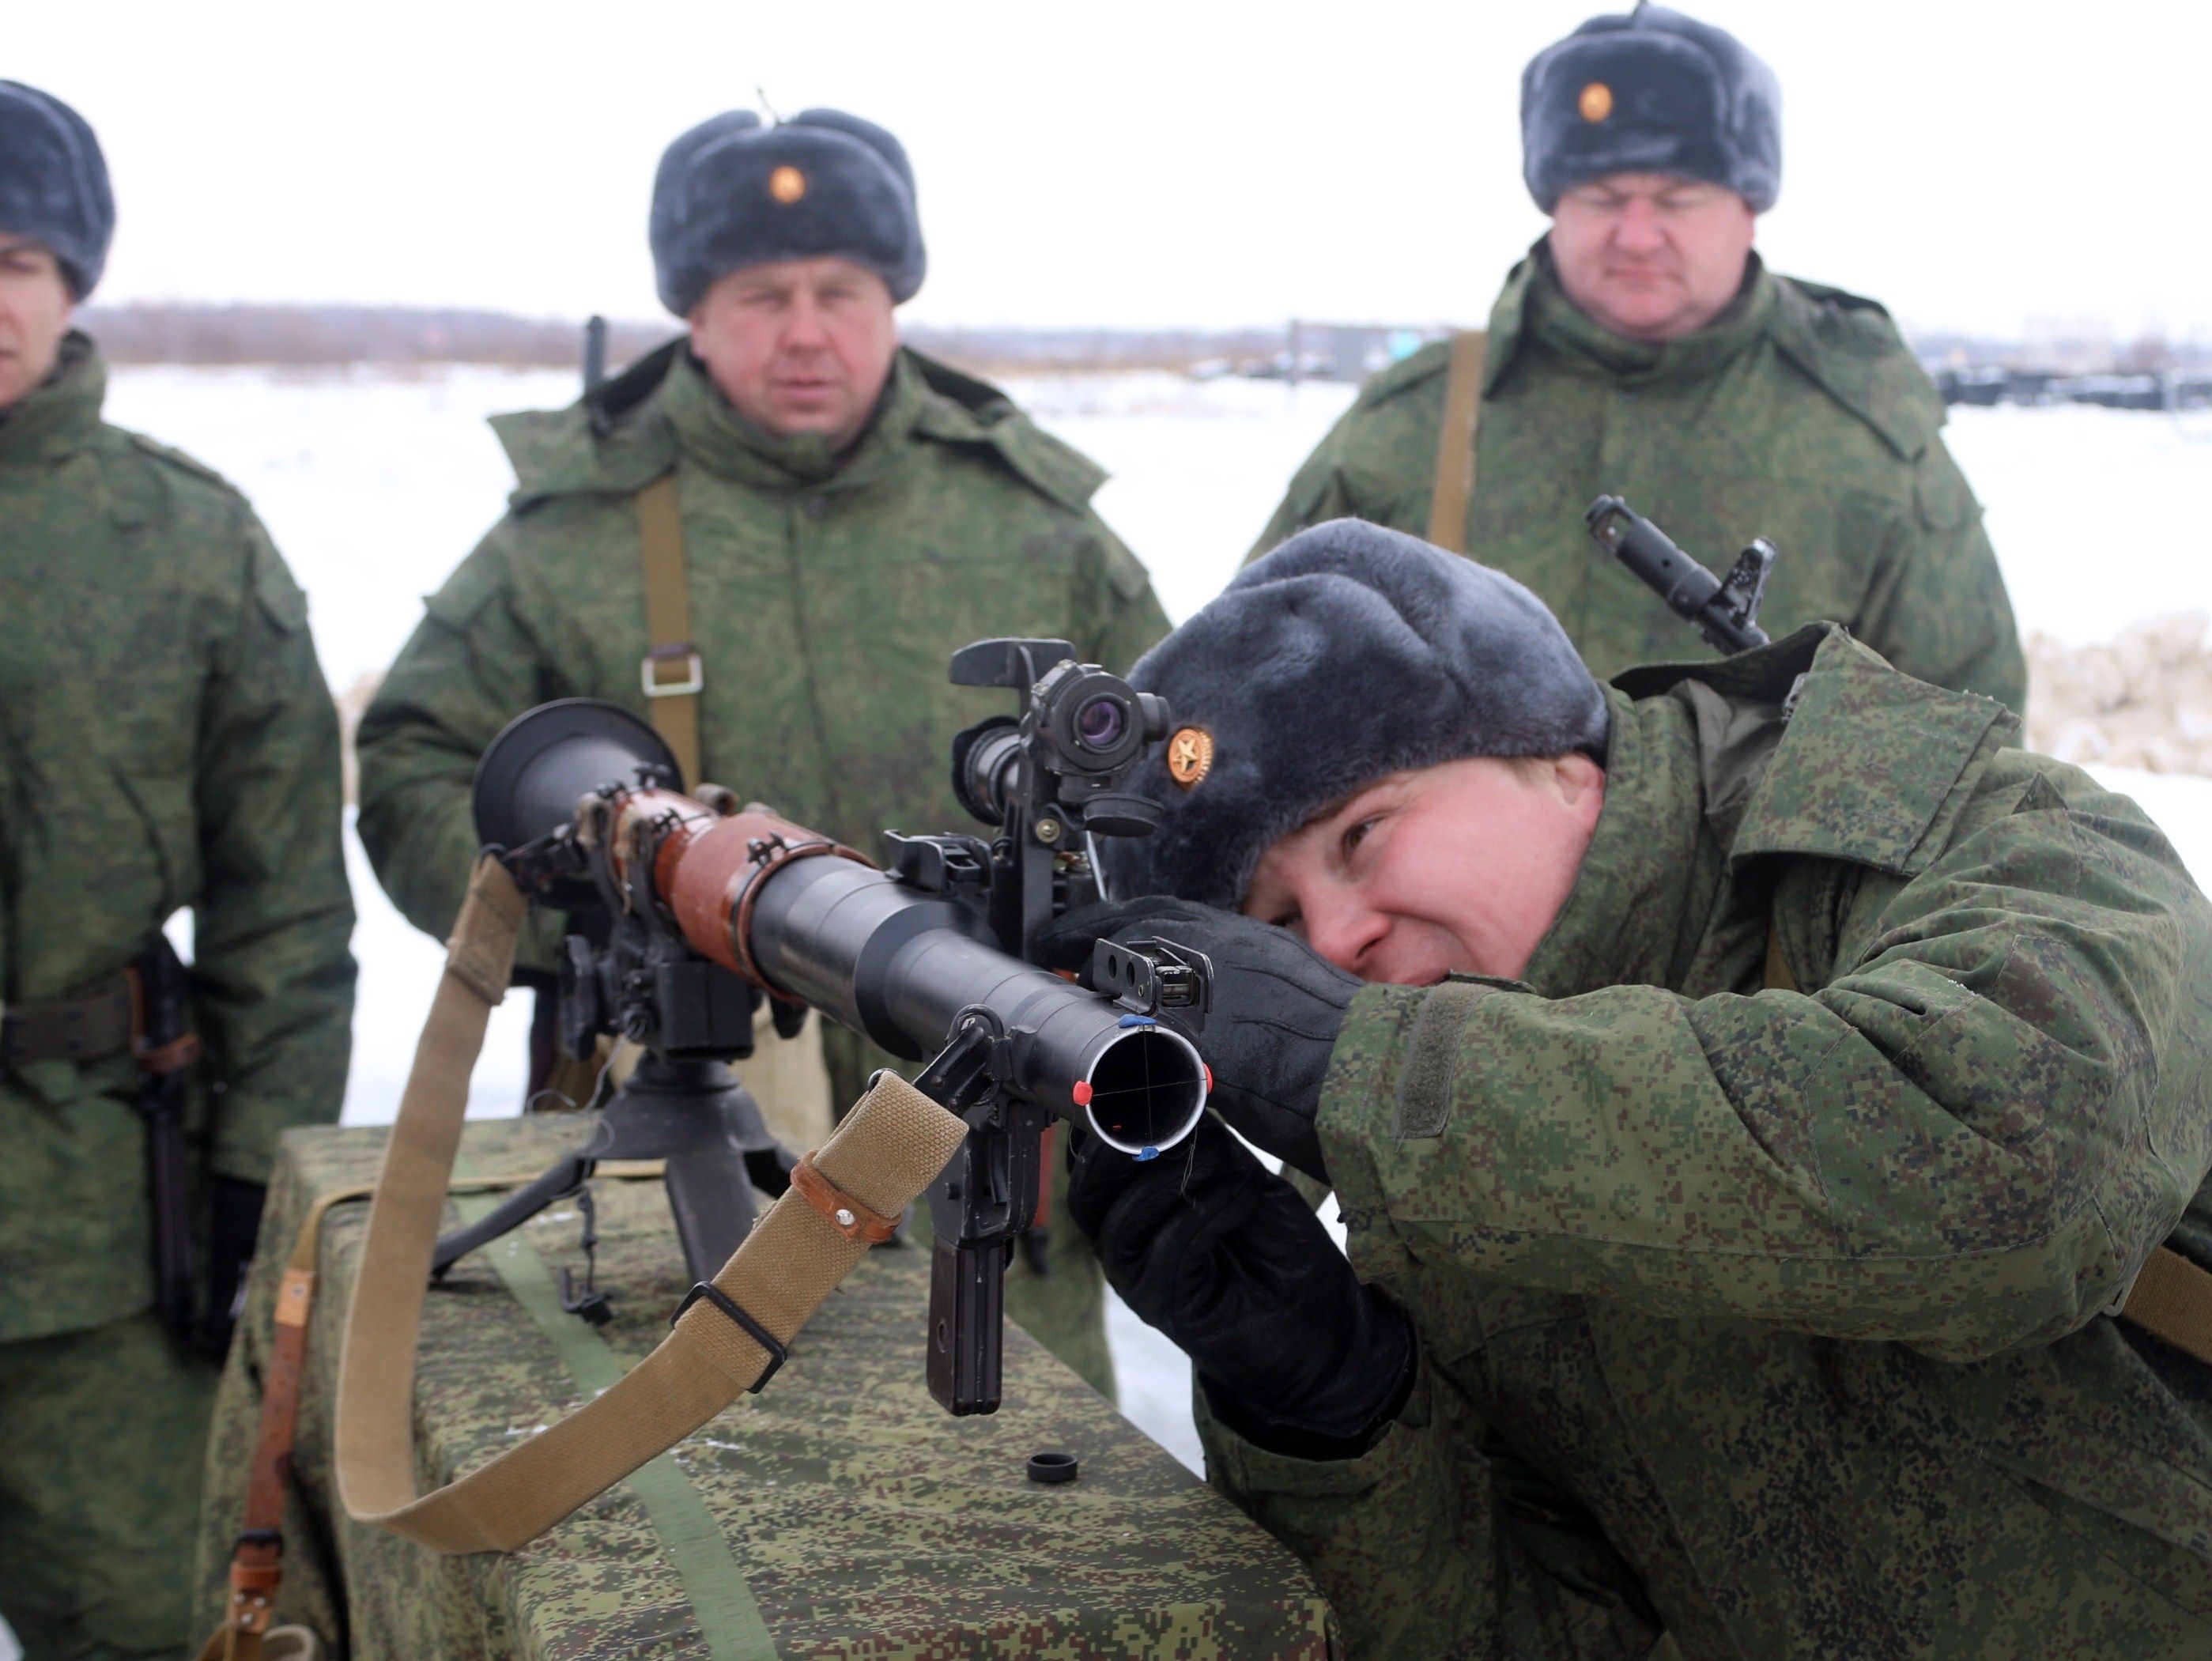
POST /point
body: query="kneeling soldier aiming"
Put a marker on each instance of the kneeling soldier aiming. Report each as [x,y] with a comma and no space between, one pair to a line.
[1752,1090]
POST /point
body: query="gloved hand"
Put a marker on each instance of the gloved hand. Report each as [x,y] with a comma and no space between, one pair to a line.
[233,1223]
[1222,1256]
[1278,1006]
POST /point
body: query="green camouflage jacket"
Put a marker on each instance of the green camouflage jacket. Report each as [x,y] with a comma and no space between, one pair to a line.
[166,741]
[827,602]
[1799,415]
[1774,1318]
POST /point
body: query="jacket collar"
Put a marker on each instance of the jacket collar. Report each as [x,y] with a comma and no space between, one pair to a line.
[1811,747]
[1652,869]
[1533,312]
[59,415]
[710,432]
[1835,754]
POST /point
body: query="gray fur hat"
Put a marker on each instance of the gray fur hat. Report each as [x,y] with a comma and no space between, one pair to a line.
[1652,91]
[1349,653]
[53,183]
[732,193]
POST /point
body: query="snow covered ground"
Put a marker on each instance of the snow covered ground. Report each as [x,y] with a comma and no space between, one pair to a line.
[376,484]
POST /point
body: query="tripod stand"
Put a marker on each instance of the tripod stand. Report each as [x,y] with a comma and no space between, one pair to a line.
[695,1114]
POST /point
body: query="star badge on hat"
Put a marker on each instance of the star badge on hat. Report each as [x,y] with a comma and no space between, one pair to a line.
[1595,102]
[1190,755]
[787,184]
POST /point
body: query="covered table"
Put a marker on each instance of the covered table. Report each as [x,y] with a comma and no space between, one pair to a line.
[840,1513]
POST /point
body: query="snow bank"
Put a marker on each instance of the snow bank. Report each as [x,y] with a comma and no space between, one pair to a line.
[2143,700]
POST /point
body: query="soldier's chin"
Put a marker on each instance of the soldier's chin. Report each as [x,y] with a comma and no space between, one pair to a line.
[809,414]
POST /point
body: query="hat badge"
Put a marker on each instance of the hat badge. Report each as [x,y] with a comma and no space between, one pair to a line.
[1190,755]
[787,184]
[1595,102]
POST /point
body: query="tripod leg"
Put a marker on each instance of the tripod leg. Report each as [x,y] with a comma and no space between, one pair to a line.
[565,1177]
[711,1193]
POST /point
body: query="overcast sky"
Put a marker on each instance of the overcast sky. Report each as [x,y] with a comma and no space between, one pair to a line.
[1991,166]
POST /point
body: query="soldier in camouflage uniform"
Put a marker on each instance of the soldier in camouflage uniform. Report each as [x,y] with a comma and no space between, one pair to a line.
[852,512]
[166,741]
[1777,1084]
[1642,348]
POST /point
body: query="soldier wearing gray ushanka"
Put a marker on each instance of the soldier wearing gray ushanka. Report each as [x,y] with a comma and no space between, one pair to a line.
[167,743]
[1642,348]
[846,513]
[1767,1110]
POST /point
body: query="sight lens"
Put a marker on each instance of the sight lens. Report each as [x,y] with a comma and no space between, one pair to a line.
[1101,722]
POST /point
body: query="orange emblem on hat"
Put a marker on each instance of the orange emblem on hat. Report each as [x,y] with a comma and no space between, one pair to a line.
[1190,755]
[787,185]
[1595,102]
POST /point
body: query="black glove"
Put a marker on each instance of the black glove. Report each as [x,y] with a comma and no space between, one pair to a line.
[1278,1006]
[1222,1256]
[233,1222]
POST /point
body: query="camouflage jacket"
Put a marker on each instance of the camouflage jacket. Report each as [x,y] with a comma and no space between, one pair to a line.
[166,740]
[1799,415]
[1777,1318]
[827,601]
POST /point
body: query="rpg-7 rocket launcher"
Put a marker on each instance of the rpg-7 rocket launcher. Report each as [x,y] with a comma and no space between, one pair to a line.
[694,908]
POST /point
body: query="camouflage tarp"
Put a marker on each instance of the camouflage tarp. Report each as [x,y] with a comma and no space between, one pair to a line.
[840,1513]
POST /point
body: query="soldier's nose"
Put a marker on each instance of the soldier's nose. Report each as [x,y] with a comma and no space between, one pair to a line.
[1344,931]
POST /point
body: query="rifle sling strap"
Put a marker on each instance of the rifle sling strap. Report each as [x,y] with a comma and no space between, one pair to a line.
[883,1154]
[1455,483]
[257,1567]
[2172,1297]
[673,672]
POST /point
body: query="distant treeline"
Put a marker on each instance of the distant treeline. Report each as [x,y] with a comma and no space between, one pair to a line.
[313,336]
[306,336]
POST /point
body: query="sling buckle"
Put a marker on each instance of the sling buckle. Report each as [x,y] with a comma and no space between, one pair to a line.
[684,653]
[777,1354]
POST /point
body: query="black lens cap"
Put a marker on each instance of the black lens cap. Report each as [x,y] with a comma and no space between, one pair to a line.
[1052,1468]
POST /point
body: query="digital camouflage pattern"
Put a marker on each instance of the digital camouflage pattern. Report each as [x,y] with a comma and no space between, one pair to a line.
[1777,1320]
[100,1434]
[166,741]
[827,602]
[840,1513]
[1799,415]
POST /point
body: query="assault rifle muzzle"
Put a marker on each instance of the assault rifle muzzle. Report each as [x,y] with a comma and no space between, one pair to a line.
[1724,609]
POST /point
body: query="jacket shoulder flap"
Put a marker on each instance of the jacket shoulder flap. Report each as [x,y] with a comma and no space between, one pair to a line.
[210,517]
[1847,344]
[962,409]
[144,477]
[1873,766]
[614,440]
[1427,367]
[1384,446]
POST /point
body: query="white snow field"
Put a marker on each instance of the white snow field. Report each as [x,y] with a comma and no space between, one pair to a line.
[376,484]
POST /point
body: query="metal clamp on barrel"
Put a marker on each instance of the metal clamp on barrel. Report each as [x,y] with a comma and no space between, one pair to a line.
[768,854]
[777,1354]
